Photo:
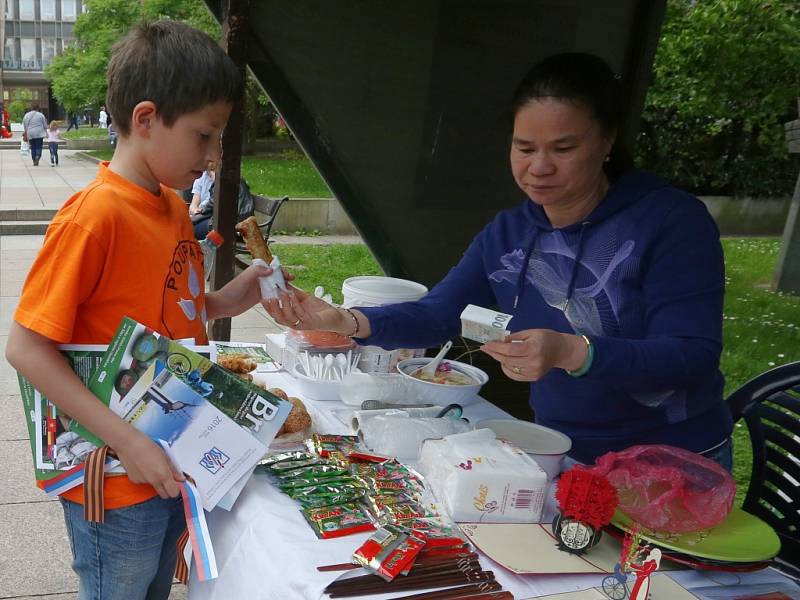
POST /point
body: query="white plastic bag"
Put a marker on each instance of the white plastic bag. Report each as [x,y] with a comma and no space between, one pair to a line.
[384,387]
[401,436]
[24,148]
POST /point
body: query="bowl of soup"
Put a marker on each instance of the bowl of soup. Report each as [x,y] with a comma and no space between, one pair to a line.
[453,383]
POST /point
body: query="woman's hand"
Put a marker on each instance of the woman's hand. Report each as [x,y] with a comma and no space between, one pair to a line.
[530,354]
[305,311]
[145,462]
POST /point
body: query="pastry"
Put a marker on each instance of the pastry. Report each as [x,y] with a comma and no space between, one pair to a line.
[238,363]
[256,245]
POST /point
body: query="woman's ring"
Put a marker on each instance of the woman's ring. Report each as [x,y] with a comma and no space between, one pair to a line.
[517,370]
[296,323]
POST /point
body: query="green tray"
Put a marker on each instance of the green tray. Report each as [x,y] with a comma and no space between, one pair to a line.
[740,538]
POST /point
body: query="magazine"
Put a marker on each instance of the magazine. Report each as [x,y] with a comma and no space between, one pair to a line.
[256,351]
[134,347]
[202,441]
[53,446]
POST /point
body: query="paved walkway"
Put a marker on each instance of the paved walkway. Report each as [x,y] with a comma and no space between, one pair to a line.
[34,552]
[24,186]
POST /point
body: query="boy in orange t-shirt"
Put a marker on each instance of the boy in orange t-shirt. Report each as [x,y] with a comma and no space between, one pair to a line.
[124,245]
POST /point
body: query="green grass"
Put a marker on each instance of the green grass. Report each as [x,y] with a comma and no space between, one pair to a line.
[286,174]
[327,266]
[289,173]
[761,328]
[85,133]
[101,154]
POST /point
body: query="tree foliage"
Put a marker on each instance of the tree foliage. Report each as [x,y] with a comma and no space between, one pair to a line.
[78,75]
[726,78]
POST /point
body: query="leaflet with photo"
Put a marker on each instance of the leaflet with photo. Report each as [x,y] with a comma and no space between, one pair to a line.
[201,440]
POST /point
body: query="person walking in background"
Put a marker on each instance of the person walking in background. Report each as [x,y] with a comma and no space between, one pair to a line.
[73,121]
[103,118]
[34,130]
[52,142]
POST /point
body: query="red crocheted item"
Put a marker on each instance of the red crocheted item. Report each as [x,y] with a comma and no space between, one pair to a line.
[588,498]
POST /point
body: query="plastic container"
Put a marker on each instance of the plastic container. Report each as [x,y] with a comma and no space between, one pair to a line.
[209,247]
[442,393]
[316,389]
[546,446]
[371,290]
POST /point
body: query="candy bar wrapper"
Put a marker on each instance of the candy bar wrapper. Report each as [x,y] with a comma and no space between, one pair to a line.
[484,325]
[296,486]
[337,521]
[271,460]
[325,445]
[389,551]
[309,472]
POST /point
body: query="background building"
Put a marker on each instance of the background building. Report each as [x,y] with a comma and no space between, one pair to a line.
[32,32]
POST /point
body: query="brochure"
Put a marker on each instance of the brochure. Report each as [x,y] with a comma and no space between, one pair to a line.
[257,352]
[53,446]
[202,441]
[134,347]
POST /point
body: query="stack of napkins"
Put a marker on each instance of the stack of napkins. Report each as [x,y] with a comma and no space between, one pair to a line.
[481,479]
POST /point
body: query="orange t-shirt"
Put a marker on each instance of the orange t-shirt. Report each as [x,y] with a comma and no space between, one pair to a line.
[115,250]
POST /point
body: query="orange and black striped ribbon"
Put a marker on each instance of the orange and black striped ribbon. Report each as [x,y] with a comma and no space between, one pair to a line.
[181,568]
[94,470]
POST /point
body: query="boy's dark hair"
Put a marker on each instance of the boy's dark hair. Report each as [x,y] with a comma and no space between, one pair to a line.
[589,80]
[175,66]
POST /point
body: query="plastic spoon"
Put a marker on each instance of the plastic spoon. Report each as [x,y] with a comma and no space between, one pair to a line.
[326,371]
[430,368]
[341,363]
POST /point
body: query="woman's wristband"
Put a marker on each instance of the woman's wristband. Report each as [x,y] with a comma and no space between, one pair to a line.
[587,364]
[356,324]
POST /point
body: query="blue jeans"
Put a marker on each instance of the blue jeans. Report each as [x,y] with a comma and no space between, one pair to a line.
[721,454]
[129,557]
[53,147]
[36,148]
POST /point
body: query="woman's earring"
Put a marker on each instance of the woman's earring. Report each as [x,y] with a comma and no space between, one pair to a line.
[607,158]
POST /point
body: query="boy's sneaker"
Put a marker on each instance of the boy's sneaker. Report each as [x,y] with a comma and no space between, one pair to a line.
[52,164]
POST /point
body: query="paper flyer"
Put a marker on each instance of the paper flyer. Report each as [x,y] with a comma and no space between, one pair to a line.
[135,347]
[53,446]
[199,438]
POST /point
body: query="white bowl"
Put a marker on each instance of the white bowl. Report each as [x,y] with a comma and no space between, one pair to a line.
[316,389]
[546,446]
[443,393]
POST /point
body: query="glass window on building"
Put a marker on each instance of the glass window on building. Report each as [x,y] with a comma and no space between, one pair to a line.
[9,55]
[48,50]
[47,8]
[68,10]
[26,10]
[9,8]
[27,53]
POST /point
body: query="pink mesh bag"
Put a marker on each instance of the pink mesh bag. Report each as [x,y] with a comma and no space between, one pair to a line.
[669,489]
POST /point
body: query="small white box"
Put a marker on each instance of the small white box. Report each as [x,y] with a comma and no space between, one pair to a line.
[276,347]
[484,325]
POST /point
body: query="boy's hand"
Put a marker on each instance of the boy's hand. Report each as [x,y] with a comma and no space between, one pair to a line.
[239,294]
[145,462]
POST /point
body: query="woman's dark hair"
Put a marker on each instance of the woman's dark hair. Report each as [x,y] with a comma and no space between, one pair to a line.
[585,79]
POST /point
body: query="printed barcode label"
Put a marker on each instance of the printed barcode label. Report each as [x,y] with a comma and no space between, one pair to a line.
[523,499]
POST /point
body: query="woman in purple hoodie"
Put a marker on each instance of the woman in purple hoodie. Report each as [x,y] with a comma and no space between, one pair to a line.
[614,278]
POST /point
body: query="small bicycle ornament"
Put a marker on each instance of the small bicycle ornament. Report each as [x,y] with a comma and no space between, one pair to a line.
[616,586]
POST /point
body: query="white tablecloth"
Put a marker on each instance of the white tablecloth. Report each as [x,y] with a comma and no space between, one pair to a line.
[266,551]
